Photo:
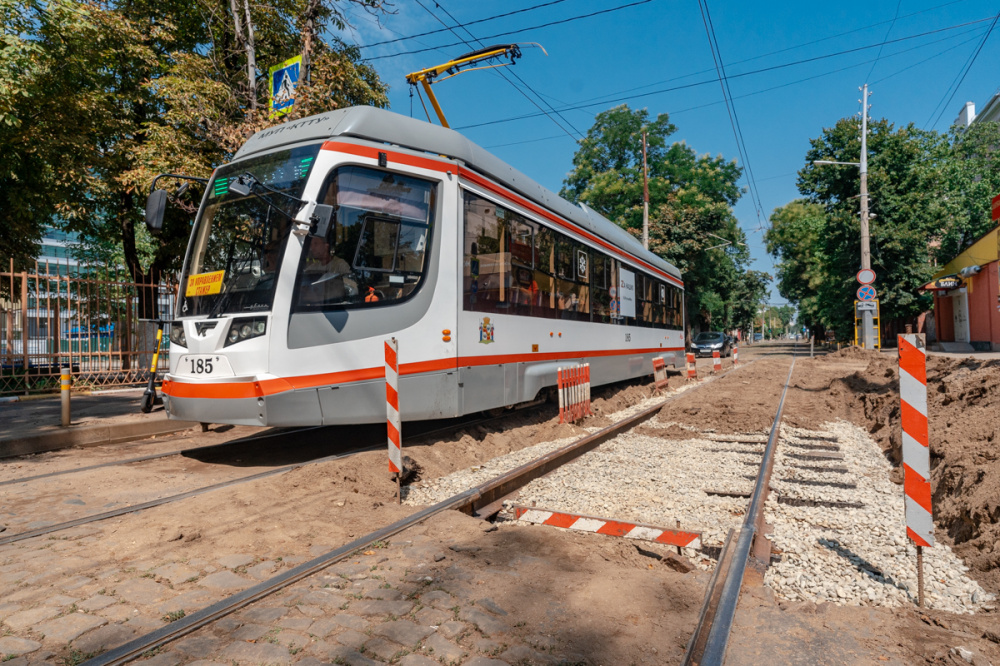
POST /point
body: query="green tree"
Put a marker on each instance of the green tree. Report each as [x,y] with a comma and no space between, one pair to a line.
[690,210]
[120,90]
[820,255]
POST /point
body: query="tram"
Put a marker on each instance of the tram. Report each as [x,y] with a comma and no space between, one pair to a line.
[329,235]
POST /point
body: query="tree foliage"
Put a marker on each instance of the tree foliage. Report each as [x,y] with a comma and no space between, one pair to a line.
[108,93]
[818,240]
[691,198]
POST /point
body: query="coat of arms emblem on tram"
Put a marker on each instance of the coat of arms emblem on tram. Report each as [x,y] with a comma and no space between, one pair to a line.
[485,331]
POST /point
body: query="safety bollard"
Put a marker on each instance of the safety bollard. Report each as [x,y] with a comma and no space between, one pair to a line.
[716,362]
[736,355]
[812,341]
[392,421]
[692,368]
[65,382]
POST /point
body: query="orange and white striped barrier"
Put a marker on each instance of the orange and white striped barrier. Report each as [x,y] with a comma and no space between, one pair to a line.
[692,367]
[574,393]
[660,372]
[392,405]
[916,444]
[606,526]
[736,355]
[716,362]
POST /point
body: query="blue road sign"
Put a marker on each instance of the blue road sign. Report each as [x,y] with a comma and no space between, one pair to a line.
[866,293]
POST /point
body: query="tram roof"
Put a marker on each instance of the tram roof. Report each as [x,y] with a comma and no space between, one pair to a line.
[379,125]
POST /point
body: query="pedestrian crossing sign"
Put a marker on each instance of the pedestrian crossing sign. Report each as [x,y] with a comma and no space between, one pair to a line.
[283,79]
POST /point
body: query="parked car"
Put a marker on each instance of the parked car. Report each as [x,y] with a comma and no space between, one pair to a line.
[707,342]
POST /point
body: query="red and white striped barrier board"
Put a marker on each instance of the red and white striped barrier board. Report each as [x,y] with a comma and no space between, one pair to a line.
[660,372]
[572,521]
[916,444]
[692,367]
[716,362]
[392,404]
[574,393]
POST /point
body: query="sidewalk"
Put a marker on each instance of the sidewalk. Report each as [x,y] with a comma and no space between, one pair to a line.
[32,426]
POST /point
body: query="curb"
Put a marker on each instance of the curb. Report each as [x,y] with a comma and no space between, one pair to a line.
[92,435]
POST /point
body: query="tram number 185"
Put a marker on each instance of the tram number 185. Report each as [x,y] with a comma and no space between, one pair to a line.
[200,366]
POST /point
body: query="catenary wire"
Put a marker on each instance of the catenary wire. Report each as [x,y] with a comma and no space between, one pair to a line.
[737,76]
[512,32]
[968,66]
[887,33]
[464,25]
[524,94]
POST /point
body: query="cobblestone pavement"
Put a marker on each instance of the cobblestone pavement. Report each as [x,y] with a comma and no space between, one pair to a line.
[453,591]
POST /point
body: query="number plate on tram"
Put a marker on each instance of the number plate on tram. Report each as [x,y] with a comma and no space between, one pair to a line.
[204,365]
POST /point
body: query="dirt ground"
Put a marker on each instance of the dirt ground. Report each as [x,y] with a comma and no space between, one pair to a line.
[863,387]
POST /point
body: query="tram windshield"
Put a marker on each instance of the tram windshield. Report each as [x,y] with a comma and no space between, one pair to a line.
[239,240]
[375,252]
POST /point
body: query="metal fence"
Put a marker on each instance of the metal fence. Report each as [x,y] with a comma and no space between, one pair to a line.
[60,316]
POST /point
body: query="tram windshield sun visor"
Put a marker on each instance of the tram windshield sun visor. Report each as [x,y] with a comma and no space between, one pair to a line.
[240,235]
[375,250]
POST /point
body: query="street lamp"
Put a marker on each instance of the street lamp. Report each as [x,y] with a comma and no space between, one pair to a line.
[867,319]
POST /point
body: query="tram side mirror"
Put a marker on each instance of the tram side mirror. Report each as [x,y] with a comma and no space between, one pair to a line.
[156,206]
[320,220]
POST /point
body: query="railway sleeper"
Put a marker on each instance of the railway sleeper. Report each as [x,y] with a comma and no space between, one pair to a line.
[813,468]
[814,447]
[825,484]
[829,504]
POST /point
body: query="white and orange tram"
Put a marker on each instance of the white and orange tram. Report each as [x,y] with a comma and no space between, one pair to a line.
[327,236]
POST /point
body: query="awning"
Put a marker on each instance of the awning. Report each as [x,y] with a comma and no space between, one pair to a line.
[944,283]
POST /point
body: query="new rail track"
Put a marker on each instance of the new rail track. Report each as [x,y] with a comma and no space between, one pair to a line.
[483,501]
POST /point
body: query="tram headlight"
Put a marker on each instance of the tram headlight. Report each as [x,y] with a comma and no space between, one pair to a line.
[177,335]
[245,328]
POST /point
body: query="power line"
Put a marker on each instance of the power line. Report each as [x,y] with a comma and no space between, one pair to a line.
[463,25]
[762,70]
[524,94]
[968,66]
[887,32]
[727,93]
[514,32]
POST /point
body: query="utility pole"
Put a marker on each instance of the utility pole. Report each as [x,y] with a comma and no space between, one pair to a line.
[645,195]
[867,318]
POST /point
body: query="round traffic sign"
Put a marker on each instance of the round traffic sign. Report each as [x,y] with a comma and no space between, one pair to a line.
[866,276]
[866,293]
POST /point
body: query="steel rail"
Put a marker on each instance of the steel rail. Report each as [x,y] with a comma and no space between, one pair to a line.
[252,439]
[722,624]
[134,508]
[467,501]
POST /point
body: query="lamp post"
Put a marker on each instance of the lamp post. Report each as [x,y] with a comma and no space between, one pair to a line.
[867,318]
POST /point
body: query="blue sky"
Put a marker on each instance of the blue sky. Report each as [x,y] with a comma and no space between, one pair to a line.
[655,54]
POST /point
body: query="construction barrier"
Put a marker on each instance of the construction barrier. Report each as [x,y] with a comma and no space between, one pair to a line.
[392,404]
[660,372]
[736,355]
[692,367]
[916,452]
[607,527]
[716,362]
[574,393]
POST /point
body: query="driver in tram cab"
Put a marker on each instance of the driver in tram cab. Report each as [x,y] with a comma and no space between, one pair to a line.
[327,276]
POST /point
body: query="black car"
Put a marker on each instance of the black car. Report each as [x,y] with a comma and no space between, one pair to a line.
[707,342]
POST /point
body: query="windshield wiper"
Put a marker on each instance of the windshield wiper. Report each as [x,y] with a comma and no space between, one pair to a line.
[319,214]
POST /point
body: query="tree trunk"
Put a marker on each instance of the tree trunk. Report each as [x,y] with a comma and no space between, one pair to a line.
[251,58]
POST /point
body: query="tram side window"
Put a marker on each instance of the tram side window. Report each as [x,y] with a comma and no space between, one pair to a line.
[375,251]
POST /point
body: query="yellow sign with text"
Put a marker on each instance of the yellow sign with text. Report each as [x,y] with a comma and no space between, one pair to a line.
[204,284]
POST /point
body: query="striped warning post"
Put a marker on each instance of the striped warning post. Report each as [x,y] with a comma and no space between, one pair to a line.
[660,372]
[692,367]
[736,355]
[606,526]
[392,404]
[916,451]
[574,393]
[716,362]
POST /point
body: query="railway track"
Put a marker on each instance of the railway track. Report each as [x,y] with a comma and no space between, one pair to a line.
[483,501]
[216,449]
